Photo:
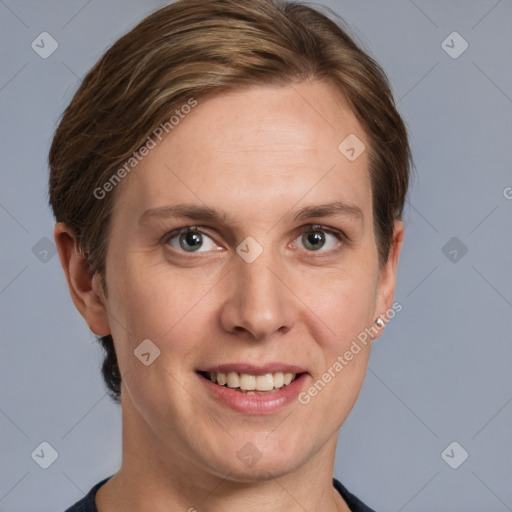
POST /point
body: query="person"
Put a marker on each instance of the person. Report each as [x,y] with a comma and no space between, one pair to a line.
[228,183]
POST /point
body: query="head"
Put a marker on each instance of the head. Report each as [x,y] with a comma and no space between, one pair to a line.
[231,116]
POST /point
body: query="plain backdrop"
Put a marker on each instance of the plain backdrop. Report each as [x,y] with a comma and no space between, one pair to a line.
[439,383]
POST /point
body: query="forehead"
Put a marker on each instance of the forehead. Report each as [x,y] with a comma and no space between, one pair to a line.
[256,150]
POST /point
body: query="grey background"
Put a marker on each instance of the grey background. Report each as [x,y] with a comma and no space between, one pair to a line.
[442,370]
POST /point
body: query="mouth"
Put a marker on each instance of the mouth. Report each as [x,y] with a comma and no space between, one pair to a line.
[253,389]
[250,383]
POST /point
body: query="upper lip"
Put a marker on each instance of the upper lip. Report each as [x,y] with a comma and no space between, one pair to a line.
[253,369]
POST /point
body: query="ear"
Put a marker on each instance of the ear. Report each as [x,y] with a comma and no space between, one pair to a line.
[84,286]
[387,277]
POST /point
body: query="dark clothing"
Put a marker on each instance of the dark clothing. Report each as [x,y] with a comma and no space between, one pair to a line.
[87,504]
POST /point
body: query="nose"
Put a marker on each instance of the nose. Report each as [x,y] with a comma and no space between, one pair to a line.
[258,302]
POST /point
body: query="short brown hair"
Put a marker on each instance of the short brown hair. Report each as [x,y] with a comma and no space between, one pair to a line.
[186,50]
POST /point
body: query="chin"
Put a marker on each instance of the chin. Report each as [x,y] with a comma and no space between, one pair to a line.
[252,464]
[260,472]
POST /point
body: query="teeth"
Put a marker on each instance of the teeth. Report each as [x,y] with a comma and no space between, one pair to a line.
[265,382]
[247,382]
[278,380]
[233,380]
[250,383]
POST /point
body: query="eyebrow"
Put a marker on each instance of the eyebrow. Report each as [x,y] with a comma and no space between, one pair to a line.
[205,213]
[336,209]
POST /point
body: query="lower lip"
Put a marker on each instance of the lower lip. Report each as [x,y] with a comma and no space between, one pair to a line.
[256,404]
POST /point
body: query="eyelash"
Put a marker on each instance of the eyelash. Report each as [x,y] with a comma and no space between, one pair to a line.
[310,228]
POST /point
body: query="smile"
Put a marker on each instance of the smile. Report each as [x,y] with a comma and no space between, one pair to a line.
[253,389]
[249,383]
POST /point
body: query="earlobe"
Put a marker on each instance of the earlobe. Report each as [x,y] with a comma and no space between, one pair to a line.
[84,286]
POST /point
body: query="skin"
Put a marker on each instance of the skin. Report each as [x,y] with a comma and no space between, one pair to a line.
[259,154]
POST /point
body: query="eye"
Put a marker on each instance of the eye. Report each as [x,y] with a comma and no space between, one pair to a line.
[319,239]
[191,239]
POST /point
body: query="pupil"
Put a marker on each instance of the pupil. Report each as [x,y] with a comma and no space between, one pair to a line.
[191,239]
[315,240]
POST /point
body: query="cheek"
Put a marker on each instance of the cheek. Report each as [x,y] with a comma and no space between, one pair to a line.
[345,304]
[344,300]
[151,303]
[350,310]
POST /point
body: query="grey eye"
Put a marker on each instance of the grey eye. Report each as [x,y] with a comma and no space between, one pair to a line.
[313,240]
[191,240]
[317,238]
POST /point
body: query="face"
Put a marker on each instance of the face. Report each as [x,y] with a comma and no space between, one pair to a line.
[243,246]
